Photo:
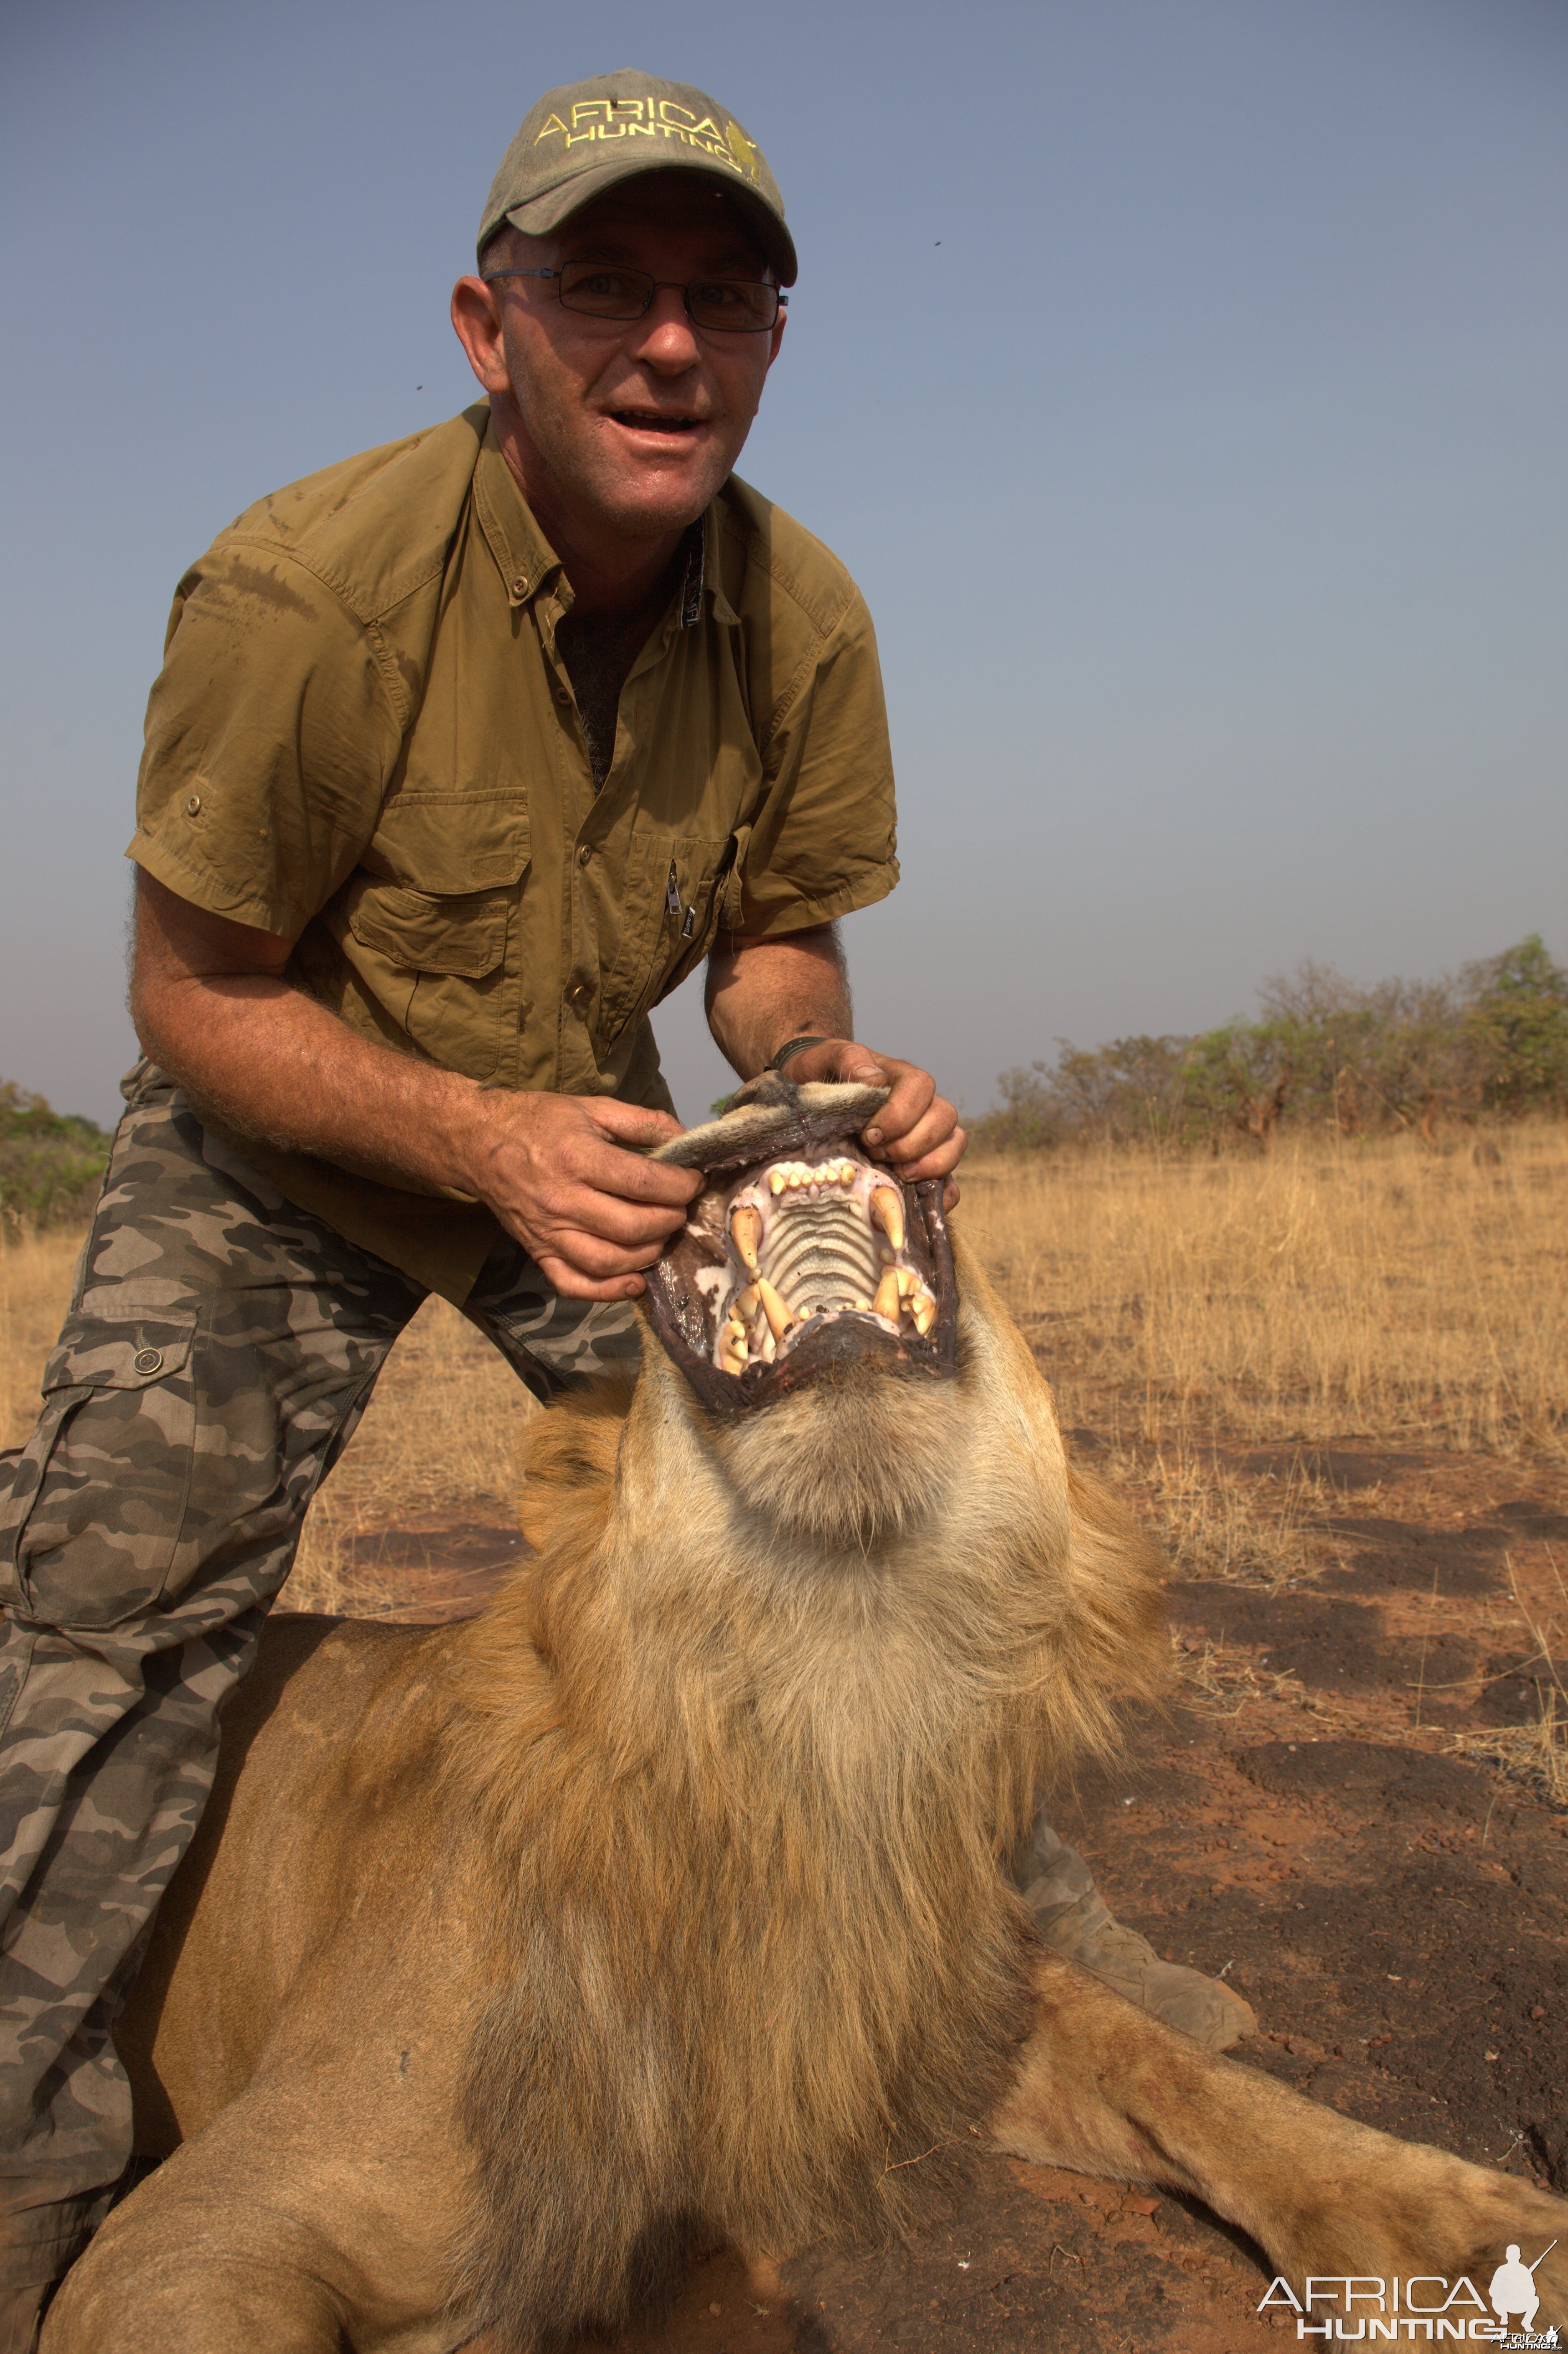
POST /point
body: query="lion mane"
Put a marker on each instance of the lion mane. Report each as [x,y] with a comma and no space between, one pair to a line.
[743,1743]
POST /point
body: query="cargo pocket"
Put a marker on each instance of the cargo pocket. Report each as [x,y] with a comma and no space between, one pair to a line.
[99,1493]
[428,931]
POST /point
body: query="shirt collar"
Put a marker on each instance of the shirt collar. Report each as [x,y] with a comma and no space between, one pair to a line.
[523,557]
[527,562]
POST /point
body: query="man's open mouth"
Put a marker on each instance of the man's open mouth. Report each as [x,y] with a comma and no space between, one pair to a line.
[653,420]
[800,1255]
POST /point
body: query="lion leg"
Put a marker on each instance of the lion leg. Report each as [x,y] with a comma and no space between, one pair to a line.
[1103,2089]
[265,2232]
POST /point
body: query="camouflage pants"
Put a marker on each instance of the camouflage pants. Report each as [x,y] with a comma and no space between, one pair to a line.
[220,1348]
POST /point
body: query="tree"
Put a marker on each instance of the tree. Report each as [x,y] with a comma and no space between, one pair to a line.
[1518,1019]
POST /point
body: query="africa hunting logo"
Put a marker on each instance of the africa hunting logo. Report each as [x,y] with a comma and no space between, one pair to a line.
[1425,2309]
[653,118]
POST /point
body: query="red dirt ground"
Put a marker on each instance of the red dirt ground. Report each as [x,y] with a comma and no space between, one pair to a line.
[1397,1913]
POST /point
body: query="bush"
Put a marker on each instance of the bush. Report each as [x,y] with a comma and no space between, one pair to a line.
[1326,1051]
[52,1164]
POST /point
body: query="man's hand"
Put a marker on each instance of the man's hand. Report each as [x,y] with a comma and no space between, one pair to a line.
[558,1174]
[212,1006]
[916,1131]
[761,994]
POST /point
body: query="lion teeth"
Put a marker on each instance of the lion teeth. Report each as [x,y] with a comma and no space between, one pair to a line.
[777,1180]
[887,1209]
[746,1234]
[886,1302]
[923,1308]
[779,1316]
[731,1347]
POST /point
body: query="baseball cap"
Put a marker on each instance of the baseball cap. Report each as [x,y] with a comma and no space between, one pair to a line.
[582,139]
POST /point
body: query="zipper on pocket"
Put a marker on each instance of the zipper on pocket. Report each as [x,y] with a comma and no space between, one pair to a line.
[672,904]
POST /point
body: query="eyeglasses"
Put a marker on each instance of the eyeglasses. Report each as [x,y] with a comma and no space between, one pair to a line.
[603,290]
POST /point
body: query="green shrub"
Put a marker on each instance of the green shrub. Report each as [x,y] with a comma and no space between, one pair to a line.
[52,1164]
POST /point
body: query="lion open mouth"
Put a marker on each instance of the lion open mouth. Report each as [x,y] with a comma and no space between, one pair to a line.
[800,1252]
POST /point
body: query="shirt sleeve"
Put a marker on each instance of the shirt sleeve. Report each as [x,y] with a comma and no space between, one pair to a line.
[270,739]
[822,841]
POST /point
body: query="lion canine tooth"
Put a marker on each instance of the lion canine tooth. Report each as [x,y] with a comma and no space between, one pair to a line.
[780,1317]
[887,1209]
[745,1233]
[886,1302]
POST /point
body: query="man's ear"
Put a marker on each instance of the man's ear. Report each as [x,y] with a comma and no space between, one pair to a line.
[476,320]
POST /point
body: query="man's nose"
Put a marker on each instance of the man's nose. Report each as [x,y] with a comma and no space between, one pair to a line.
[665,337]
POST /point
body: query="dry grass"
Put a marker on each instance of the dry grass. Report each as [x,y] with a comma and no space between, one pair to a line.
[1227,1682]
[1248,1527]
[36,1274]
[1334,1288]
[439,1441]
[1328,1290]
[1534,1755]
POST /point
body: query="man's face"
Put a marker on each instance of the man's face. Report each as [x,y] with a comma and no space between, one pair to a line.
[630,425]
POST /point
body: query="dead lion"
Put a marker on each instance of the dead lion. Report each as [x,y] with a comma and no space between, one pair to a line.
[662,1899]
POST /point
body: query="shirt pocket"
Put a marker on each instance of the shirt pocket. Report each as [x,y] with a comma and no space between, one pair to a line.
[101,1492]
[674,897]
[428,937]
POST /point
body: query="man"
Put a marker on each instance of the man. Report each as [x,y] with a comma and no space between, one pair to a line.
[465,753]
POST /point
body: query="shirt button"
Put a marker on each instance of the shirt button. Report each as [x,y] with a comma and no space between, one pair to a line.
[193,805]
[563,694]
[519,586]
[585,853]
[580,993]
[148,1360]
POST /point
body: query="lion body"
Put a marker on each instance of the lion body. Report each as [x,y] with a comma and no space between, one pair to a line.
[662,1899]
[690,1841]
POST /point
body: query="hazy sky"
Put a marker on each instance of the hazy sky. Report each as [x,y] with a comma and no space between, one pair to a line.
[1184,381]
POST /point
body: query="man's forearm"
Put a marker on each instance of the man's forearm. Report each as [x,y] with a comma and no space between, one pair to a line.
[761,993]
[267,1062]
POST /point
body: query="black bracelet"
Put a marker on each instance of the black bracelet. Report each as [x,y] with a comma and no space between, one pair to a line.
[795,1046]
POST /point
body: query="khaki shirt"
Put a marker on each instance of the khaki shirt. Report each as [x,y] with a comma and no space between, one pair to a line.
[365,741]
